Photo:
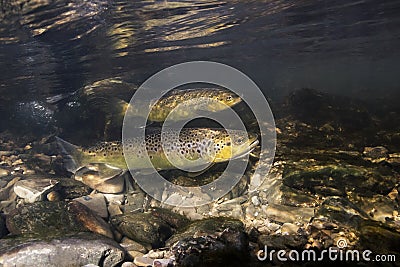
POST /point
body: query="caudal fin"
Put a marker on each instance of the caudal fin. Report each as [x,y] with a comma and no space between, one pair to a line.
[71,155]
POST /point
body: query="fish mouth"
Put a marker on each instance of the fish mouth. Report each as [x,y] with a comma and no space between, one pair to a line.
[253,145]
[250,148]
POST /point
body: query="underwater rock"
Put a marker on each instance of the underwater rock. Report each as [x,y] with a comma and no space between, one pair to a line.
[287,214]
[49,218]
[289,228]
[341,211]
[210,242]
[3,172]
[295,197]
[135,201]
[33,190]
[340,179]
[231,208]
[96,203]
[78,250]
[7,190]
[376,153]
[144,228]
[175,220]
[70,188]
[89,220]
[378,207]
[102,178]
[130,245]
[143,261]
[380,240]
[3,228]
[278,242]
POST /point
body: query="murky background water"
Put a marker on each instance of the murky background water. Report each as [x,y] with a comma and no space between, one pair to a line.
[49,47]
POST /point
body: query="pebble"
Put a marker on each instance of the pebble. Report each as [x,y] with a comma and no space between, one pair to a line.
[17,162]
[3,172]
[96,203]
[128,264]
[289,228]
[33,190]
[255,200]
[143,261]
[376,152]
[53,196]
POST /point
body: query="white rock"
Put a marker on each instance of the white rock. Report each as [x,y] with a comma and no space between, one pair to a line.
[255,200]
[33,190]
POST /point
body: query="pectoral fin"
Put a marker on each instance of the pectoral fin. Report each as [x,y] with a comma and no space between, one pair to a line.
[195,174]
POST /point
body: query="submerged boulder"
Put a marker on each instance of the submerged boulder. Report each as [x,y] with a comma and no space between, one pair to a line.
[63,251]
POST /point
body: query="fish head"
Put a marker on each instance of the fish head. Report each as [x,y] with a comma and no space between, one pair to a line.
[224,98]
[235,145]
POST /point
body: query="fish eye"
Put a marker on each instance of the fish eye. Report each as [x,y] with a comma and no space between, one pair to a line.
[240,140]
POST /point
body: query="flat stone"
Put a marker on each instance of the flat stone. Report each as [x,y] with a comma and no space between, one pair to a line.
[144,228]
[89,220]
[134,201]
[96,203]
[128,264]
[283,214]
[282,241]
[143,261]
[44,218]
[33,190]
[376,152]
[134,254]
[6,190]
[130,245]
[102,178]
[115,198]
[114,209]
[3,172]
[289,228]
[79,250]
[215,240]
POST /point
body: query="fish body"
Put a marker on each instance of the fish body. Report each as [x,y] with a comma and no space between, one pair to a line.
[192,102]
[191,147]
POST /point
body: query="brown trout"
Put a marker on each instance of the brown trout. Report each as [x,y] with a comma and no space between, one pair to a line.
[191,147]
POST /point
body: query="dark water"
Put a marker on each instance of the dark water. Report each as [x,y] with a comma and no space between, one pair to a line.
[344,47]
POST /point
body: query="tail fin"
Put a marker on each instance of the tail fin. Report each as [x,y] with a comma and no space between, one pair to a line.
[72,157]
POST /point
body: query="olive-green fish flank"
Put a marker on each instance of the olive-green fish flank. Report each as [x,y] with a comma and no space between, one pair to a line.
[209,145]
[204,99]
